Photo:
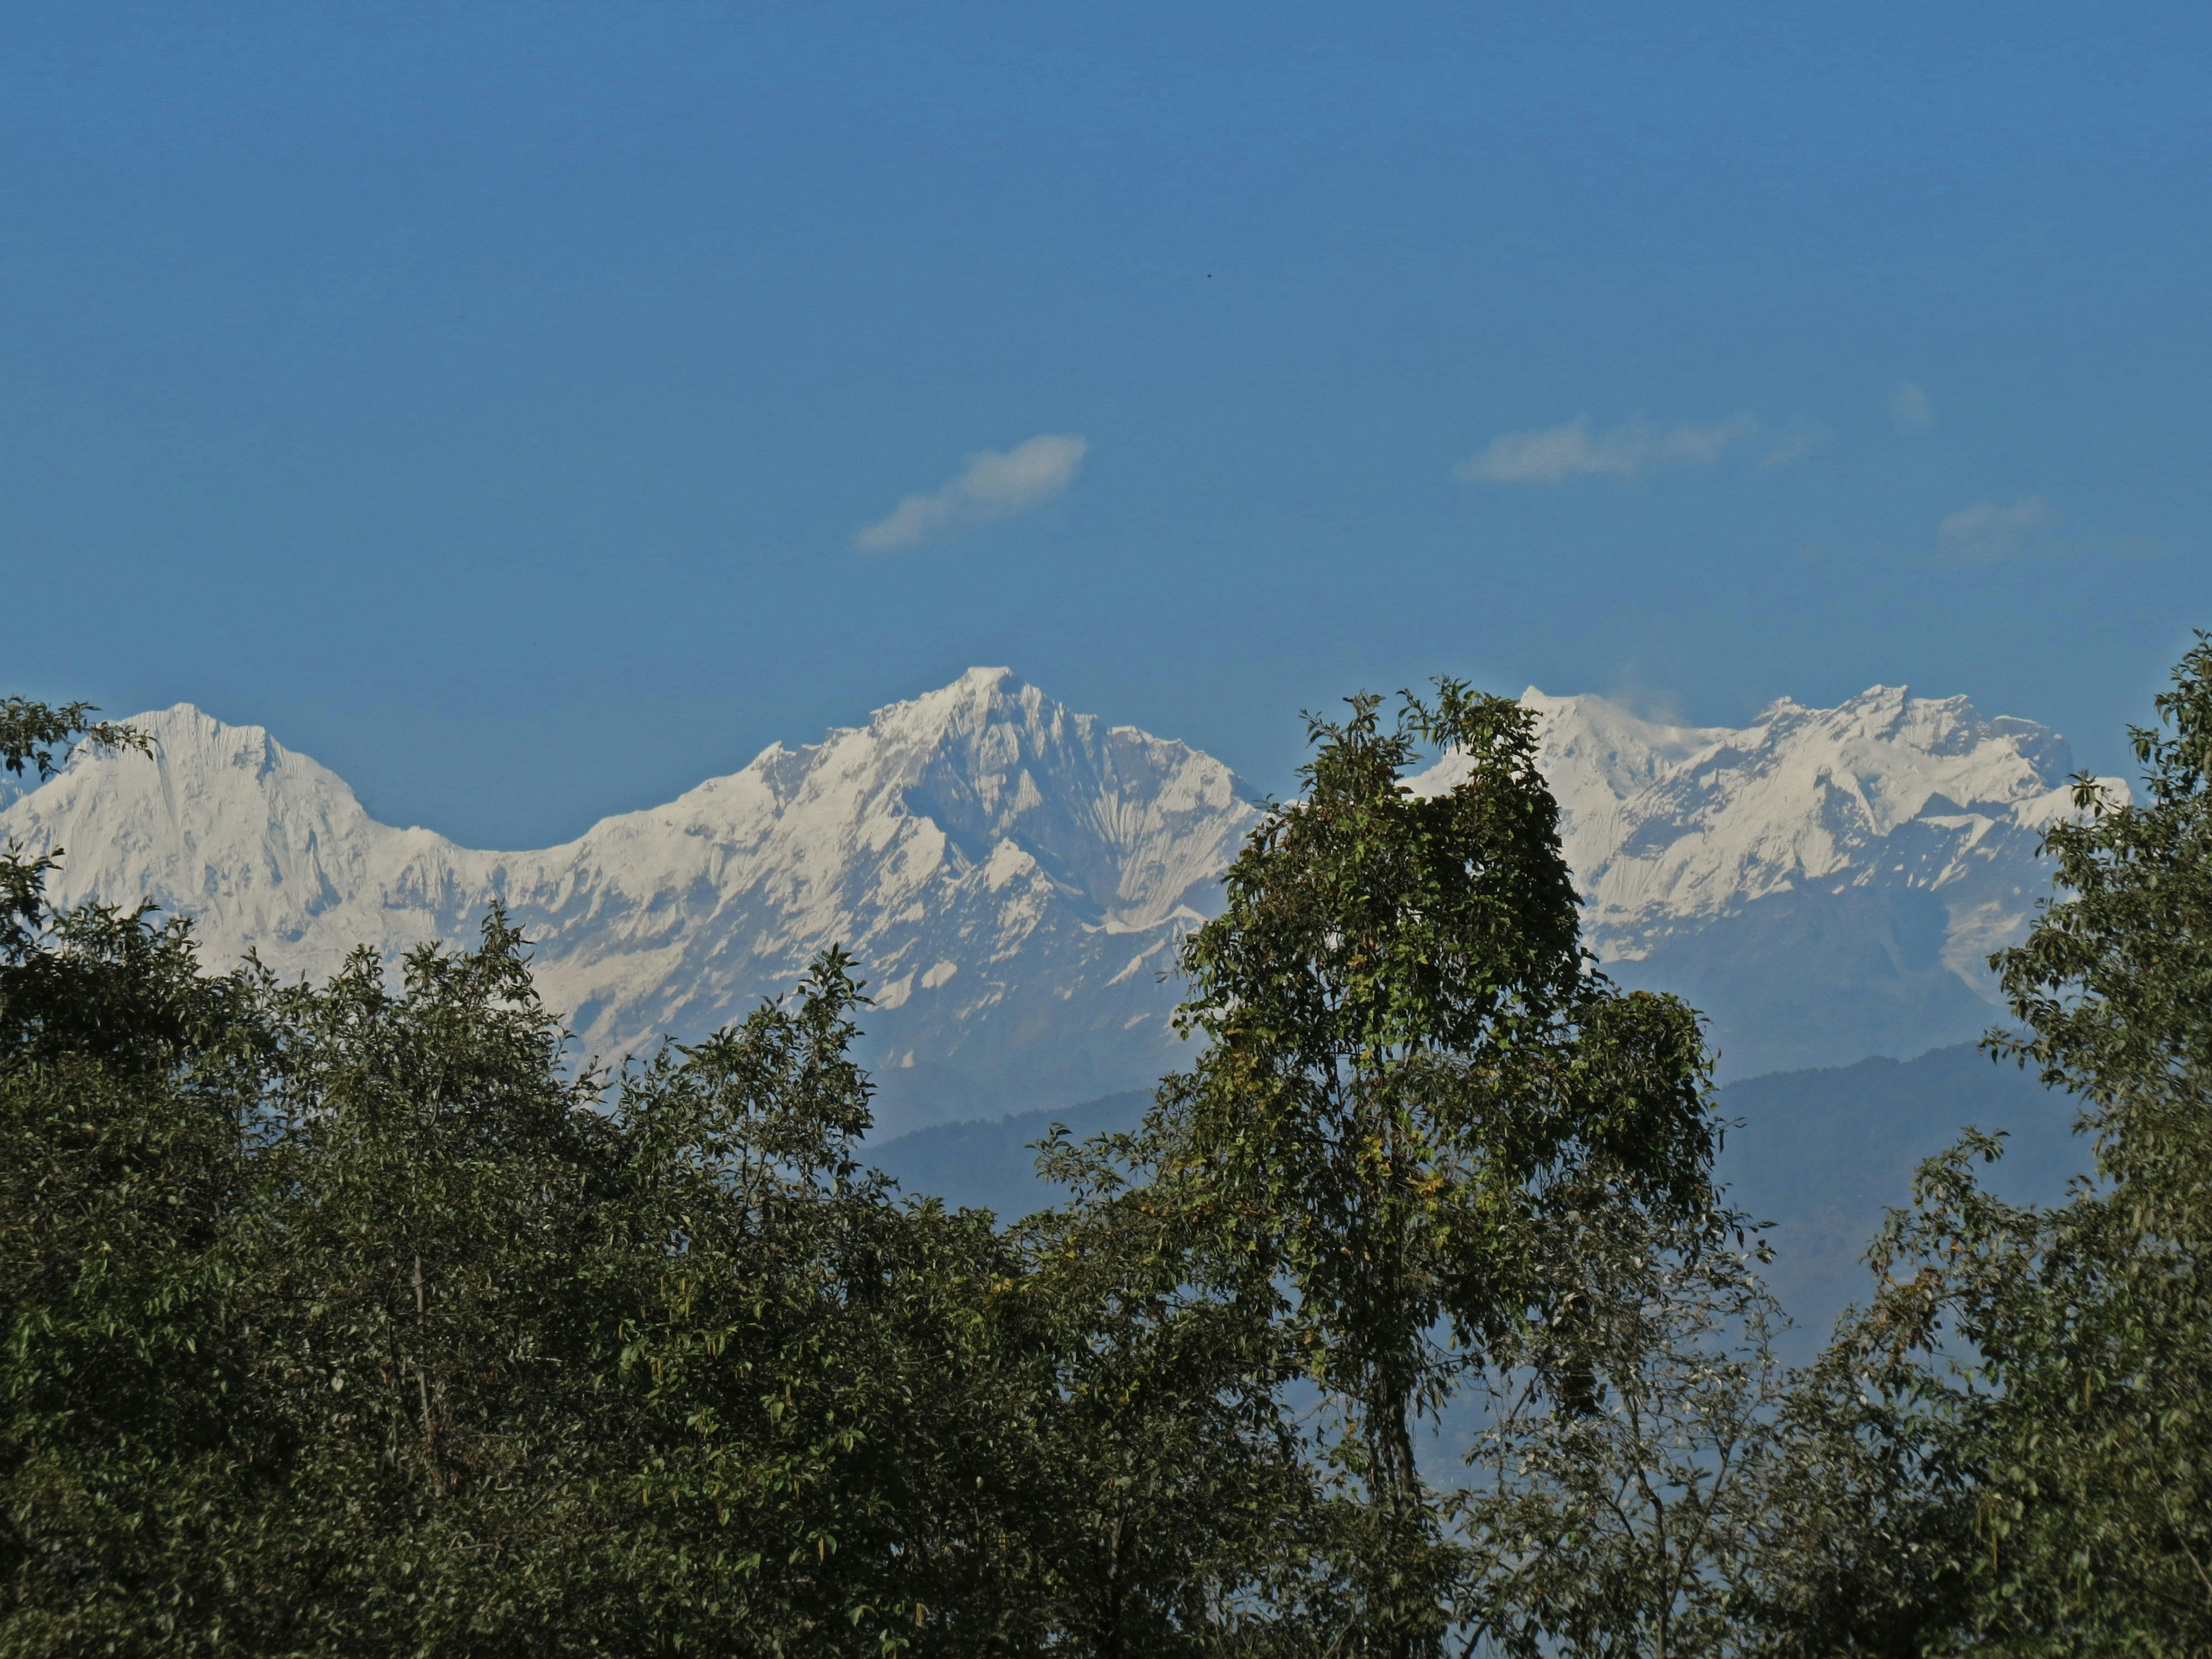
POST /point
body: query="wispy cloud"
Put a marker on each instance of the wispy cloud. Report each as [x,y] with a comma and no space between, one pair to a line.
[1553,454]
[994,485]
[1985,532]
[1909,408]
[1794,446]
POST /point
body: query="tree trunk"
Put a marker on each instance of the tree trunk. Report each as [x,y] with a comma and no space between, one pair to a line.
[1404,1624]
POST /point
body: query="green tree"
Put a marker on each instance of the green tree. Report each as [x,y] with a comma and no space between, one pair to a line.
[1620,1519]
[353,1319]
[1410,1060]
[357,1319]
[2098,1510]
[837,1395]
[34,735]
[1862,1543]
[1185,1512]
[430,1329]
[130,1103]
[2044,1377]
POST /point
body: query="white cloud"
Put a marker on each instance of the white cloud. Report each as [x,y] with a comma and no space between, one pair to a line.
[1553,454]
[1794,447]
[1985,532]
[1909,408]
[994,485]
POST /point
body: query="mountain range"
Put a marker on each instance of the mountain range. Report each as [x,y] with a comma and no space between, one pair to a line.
[1826,883]
[1013,877]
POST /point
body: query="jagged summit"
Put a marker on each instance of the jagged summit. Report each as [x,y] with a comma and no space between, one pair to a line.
[1819,879]
[1698,819]
[1012,876]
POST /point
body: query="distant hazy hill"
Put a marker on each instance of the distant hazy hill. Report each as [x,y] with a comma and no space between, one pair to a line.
[1819,1154]
[1013,877]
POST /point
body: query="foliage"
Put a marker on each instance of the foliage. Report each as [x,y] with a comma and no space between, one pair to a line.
[1619,1518]
[1858,1544]
[352,1322]
[32,734]
[1410,1065]
[358,1319]
[127,1083]
[1189,1514]
[824,1455]
[353,1319]
[2036,1382]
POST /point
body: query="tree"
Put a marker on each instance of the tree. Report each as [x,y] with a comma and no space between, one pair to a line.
[1618,1519]
[34,734]
[1862,1543]
[430,1329]
[130,1088]
[1411,1058]
[2049,1372]
[357,1318]
[835,1396]
[1185,1513]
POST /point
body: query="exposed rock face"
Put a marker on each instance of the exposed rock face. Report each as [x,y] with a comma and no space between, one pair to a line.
[1012,878]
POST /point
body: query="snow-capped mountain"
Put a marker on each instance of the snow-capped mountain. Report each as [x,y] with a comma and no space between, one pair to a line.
[1825,882]
[1013,877]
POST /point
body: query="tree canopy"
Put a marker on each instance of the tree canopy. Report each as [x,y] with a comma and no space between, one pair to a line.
[1411,1071]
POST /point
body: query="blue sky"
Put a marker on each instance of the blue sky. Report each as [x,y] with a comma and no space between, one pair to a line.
[530,409]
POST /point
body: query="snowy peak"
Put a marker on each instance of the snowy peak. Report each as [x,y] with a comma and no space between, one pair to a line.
[1123,823]
[1820,879]
[1690,820]
[1120,823]
[222,823]
[1012,876]
[1591,743]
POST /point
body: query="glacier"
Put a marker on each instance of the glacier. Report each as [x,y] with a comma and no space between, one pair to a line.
[1013,877]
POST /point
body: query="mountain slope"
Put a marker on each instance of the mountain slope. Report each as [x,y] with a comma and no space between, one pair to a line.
[1825,882]
[1013,877]
[1820,1154]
